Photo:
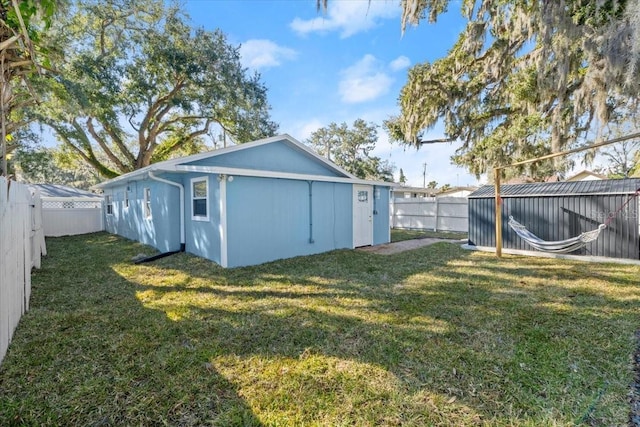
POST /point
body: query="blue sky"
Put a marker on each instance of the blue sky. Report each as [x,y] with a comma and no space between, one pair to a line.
[338,66]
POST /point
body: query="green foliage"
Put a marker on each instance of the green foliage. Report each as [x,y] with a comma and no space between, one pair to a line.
[141,84]
[635,170]
[35,14]
[524,79]
[621,158]
[21,23]
[402,179]
[350,149]
[53,166]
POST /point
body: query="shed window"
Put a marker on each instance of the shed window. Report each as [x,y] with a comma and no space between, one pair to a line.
[108,201]
[147,202]
[200,199]
[126,197]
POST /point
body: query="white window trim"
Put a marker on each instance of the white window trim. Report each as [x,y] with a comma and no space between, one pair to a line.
[108,201]
[147,201]
[194,217]
[126,198]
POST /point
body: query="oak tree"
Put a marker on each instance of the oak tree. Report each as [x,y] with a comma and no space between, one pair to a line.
[525,78]
[350,148]
[135,83]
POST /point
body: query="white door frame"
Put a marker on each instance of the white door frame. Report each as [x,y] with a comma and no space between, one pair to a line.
[362,235]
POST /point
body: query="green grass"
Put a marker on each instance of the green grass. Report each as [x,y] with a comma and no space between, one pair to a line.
[435,336]
[398,234]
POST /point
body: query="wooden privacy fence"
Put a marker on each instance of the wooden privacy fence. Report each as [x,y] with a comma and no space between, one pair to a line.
[431,213]
[21,245]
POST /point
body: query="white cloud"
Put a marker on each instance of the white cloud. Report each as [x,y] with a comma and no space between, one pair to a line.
[304,130]
[260,53]
[364,81]
[348,17]
[400,63]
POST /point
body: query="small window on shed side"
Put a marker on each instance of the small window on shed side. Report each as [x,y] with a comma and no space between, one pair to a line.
[147,202]
[108,201]
[200,199]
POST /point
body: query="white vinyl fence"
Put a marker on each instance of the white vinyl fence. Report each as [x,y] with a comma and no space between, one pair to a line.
[430,213]
[21,244]
[67,216]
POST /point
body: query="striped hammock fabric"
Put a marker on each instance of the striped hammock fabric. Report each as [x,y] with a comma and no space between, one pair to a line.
[558,246]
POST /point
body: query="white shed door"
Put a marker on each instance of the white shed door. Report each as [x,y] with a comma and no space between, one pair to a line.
[362,215]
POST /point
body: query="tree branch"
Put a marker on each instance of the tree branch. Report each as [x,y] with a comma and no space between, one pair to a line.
[144,141]
[119,142]
[105,147]
[435,141]
[165,125]
[90,158]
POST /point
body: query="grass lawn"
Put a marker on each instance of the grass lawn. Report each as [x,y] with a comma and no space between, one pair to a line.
[398,234]
[435,336]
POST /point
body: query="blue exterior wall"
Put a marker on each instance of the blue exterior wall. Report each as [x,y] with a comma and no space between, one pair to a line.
[268,219]
[162,230]
[381,226]
[276,156]
[203,237]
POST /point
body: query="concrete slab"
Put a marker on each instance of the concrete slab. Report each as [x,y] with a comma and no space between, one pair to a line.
[585,258]
[405,245]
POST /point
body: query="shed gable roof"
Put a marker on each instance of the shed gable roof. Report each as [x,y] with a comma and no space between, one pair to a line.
[184,162]
[278,156]
[542,189]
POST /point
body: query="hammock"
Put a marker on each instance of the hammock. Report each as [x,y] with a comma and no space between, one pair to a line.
[558,246]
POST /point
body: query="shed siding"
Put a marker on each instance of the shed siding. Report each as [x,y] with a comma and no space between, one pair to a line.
[559,218]
[277,156]
[159,231]
[268,219]
[381,215]
[203,237]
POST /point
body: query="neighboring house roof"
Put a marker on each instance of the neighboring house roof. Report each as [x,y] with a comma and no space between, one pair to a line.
[414,189]
[572,188]
[56,190]
[585,175]
[180,165]
[529,180]
[456,190]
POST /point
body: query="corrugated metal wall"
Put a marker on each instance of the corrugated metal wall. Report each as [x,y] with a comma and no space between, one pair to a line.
[559,218]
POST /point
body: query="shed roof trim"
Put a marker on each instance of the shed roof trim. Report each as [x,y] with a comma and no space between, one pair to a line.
[556,189]
[272,174]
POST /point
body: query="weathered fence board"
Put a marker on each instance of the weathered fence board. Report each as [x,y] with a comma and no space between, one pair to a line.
[433,213]
[21,244]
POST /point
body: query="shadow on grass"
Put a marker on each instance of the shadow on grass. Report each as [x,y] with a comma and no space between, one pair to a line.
[431,336]
[87,353]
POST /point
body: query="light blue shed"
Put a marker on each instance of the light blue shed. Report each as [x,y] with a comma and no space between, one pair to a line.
[248,204]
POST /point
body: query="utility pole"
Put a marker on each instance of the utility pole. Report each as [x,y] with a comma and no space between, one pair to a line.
[424,175]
